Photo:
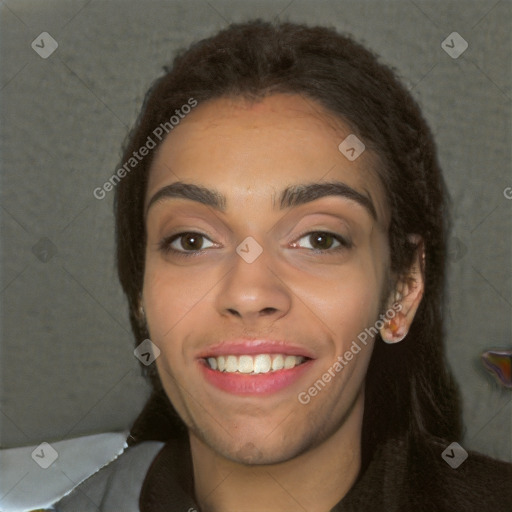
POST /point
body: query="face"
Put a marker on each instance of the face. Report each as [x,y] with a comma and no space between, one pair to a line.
[253,294]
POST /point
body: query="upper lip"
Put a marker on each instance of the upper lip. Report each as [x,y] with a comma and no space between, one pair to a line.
[253,347]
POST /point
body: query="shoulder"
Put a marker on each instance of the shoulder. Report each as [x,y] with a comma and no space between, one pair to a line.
[491,477]
[433,474]
[116,486]
[477,483]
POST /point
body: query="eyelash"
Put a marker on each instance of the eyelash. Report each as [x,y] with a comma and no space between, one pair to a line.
[165,244]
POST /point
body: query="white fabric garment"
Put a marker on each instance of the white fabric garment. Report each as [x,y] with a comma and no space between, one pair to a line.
[116,487]
[25,484]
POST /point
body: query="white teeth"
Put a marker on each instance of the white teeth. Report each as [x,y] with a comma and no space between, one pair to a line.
[231,364]
[278,362]
[289,362]
[245,364]
[261,363]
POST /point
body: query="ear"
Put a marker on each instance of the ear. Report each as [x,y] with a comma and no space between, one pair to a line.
[406,296]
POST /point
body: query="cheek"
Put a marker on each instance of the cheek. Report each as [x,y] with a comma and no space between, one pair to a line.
[168,300]
[358,310]
[347,300]
[159,300]
[171,293]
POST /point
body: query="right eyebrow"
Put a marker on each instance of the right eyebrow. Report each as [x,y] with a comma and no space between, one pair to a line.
[190,191]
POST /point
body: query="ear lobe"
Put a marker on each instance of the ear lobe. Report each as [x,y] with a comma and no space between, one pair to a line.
[394,329]
[410,288]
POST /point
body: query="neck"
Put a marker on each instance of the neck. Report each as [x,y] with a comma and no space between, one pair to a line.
[315,480]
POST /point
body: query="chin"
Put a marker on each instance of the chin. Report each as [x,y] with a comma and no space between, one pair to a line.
[259,448]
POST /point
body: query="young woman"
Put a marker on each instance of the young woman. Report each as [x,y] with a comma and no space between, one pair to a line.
[281,239]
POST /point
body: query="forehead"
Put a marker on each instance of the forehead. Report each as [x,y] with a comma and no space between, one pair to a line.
[241,147]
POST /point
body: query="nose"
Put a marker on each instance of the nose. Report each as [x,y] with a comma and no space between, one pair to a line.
[253,292]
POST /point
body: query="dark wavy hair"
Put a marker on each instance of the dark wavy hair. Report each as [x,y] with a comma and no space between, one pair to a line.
[409,391]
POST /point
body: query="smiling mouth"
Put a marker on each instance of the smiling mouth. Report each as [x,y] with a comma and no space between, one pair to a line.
[254,364]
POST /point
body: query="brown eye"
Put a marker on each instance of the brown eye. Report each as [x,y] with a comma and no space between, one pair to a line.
[191,241]
[320,241]
[184,243]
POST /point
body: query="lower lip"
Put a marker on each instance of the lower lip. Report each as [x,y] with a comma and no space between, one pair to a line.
[256,385]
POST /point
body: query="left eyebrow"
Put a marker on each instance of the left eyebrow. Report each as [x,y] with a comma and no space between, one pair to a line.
[292,196]
[296,195]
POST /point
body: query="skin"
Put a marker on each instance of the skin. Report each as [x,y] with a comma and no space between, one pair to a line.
[268,453]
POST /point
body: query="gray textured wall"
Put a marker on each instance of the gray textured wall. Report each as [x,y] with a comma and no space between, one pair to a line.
[66,350]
